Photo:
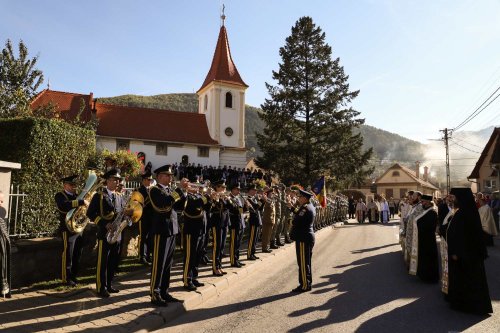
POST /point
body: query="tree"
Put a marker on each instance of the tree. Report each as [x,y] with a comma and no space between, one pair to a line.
[19,81]
[309,124]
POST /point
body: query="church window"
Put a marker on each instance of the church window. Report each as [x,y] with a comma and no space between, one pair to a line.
[162,149]
[122,144]
[203,151]
[229,100]
[395,173]
[205,103]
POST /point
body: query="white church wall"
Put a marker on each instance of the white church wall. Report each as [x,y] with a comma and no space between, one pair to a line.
[174,152]
[229,117]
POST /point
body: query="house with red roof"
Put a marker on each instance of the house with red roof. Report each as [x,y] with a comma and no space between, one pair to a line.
[398,179]
[214,135]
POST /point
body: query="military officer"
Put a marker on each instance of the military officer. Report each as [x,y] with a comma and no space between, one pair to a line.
[72,242]
[145,222]
[255,221]
[303,234]
[219,218]
[165,227]
[194,234]
[103,208]
[236,224]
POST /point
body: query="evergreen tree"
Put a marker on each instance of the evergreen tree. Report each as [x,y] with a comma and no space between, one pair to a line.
[308,119]
[19,81]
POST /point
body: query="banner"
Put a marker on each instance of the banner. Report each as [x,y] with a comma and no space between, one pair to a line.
[319,189]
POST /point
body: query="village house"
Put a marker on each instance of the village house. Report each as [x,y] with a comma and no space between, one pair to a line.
[485,176]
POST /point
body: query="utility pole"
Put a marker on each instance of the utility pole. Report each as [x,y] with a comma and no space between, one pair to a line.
[447,135]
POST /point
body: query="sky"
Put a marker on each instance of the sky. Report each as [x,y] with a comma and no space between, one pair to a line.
[420,66]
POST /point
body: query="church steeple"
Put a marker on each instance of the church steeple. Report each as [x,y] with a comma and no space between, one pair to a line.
[223,68]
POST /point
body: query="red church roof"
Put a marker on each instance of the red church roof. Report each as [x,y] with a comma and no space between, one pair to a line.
[152,124]
[131,122]
[223,68]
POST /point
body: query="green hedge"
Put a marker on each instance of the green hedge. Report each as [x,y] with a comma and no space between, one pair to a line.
[47,149]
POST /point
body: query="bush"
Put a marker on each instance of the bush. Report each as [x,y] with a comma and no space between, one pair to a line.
[48,149]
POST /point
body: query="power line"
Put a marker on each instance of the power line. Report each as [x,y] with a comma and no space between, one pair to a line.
[462,141]
[478,110]
[456,143]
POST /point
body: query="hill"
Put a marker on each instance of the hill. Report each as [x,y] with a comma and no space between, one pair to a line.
[387,147]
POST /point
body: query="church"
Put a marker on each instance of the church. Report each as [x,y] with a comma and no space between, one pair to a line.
[214,136]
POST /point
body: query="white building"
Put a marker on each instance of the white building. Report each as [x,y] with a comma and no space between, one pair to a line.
[213,136]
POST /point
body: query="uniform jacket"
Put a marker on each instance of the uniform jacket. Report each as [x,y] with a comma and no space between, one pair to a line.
[236,209]
[64,203]
[102,211]
[165,201]
[255,211]
[302,224]
[269,213]
[219,213]
[195,207]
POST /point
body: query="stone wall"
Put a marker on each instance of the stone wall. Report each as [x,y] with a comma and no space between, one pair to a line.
[36,260]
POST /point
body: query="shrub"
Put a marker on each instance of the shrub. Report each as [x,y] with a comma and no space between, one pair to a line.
[48,149]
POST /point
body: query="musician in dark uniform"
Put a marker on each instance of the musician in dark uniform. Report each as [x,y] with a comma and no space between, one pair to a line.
[303,234]
[219,220]
[145,239]
[103,208]
[236,224]
[194,231]
[72,242]
[164,229]
[255,220]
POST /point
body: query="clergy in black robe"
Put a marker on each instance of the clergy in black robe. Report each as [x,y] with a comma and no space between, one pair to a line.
[468,287]
[427,269]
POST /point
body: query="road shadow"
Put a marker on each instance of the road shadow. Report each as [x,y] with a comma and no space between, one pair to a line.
[373,282]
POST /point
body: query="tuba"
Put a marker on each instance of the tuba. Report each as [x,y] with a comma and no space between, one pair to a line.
[76,218]
[133,201]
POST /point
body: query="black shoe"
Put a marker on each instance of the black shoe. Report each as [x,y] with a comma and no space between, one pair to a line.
[169,298]
[190,287]
[280,243]
[144,261]
[70,283]
[299,289]
[112,290]
[273,246]
[267,251]
[253,257]
[217,274]
[241,263]
[198,283]
[157,300]
[223,273]
[103,293]
[288,241]
[237,264]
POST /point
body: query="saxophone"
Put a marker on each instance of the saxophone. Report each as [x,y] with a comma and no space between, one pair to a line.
[133,201]
[76,218]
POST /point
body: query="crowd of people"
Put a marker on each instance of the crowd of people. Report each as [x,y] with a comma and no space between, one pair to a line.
[231,175]
[464,232]
[377,209]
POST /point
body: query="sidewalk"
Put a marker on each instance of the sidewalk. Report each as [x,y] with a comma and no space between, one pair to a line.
[128,311]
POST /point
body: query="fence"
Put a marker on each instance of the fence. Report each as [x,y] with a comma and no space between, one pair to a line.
[15,210]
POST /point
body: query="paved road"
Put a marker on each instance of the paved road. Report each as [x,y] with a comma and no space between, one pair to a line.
[360,285]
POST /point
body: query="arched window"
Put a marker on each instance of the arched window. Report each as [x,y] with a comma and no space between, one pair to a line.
[395,173]
[229,100]
[206,102]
